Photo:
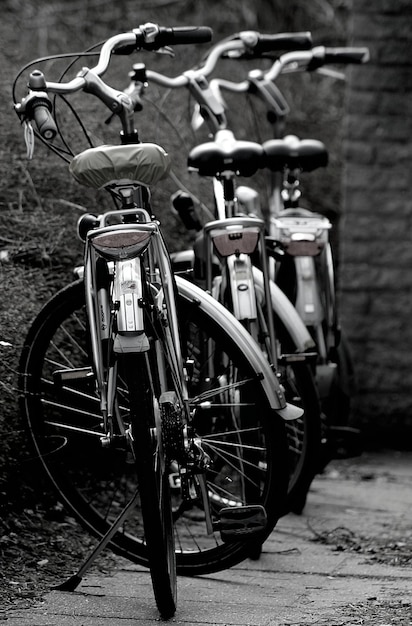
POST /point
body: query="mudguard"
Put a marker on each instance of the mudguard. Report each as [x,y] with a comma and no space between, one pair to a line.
[288,315]
[246,344]
[280,303]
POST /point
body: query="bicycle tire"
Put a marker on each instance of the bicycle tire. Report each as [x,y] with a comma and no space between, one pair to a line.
[94,482]
[303,434]
[153,481]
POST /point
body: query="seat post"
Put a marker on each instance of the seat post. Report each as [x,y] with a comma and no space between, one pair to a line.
[229,192]
[290,191]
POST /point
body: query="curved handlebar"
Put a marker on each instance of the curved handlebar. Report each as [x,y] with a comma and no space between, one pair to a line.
[297,60]
[148,37]
[309,60]
[325,56]
[37,106]
[152,37]
[302,60]
[263,83]
[128,39]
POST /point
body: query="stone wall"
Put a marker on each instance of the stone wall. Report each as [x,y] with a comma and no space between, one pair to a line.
[376,231]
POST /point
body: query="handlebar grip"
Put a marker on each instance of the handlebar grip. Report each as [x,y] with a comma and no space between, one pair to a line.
[44,120]
[152,37]
[185,34]
[283,41]
[326,56]
[346,55]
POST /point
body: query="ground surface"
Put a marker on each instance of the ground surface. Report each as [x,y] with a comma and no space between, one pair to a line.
[346,561]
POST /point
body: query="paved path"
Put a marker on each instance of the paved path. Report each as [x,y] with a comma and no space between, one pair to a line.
[361,513]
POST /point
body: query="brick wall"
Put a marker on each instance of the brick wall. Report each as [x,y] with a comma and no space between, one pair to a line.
[376,231]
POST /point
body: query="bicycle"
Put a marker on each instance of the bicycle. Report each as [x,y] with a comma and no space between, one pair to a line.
[154,414]
[229,259]
[301,258]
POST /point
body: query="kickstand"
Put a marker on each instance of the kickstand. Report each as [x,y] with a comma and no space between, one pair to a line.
[71,583]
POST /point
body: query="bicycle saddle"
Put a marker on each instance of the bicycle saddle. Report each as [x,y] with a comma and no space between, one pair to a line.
[211,158]
[142,163]
[294,153]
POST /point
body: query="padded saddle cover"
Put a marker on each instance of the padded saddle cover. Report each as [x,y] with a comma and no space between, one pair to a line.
[143,163]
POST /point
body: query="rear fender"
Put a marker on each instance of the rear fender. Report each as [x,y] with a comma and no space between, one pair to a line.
[246,344]
[287,313]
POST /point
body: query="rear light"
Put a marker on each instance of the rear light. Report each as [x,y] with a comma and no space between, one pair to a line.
[235,240]
[301,235]
[118,244]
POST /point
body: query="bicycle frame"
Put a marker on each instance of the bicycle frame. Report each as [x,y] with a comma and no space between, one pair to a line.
[127,283]
[236,238]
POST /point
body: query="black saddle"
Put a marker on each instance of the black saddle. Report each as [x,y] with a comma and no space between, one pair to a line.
[243,158]
[294,153]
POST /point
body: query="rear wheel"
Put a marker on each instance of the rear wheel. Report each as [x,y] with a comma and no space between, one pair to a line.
[153,481]
[233,425]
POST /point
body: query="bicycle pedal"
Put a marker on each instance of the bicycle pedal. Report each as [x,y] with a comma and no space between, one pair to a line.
[241,522]
[61,377]
[297,357]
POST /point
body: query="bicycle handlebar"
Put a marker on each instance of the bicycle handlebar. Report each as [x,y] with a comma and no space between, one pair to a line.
[37,106]
[257,44]
[297,60]
[317,57]
[303,60]
[263,83]
[147,37]
[329,56]
[152,37]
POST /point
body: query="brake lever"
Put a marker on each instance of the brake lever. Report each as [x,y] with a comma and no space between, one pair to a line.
[218,106]
[268,92]
[28,139]
[166,50]
[326,71]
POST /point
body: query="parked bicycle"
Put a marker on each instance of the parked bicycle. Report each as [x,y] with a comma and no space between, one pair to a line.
[297,239]
[230,261]
[302,255]
[155,415]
